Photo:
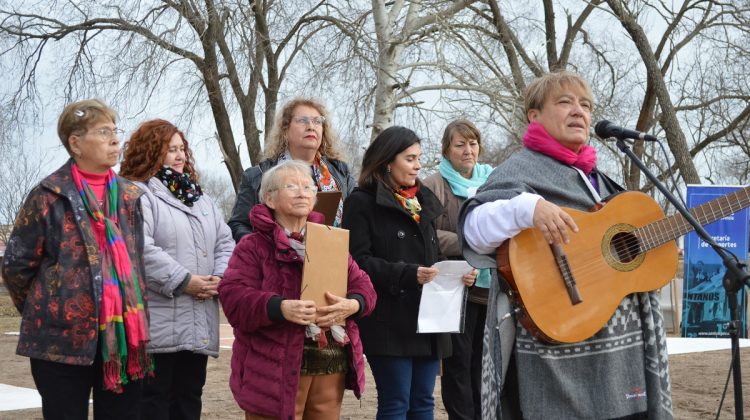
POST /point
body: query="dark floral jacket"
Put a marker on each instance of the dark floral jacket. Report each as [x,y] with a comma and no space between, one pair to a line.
[52,268]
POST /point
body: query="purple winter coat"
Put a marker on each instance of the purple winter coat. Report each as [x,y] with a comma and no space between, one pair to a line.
[267,354]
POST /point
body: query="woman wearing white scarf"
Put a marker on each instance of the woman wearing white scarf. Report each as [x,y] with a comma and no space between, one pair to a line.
[459,174]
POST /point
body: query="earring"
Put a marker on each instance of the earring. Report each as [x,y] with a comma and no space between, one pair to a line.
[388,169]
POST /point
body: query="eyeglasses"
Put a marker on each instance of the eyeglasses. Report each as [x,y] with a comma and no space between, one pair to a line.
[109,133]
[307,120]
[295,189]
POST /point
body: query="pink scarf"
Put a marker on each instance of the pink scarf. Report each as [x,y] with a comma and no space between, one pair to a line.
[538,139]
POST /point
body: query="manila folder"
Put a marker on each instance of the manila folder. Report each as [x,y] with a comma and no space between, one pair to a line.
[328,203]
[326,267]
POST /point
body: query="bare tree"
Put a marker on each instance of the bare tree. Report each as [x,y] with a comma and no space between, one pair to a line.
[682,79]
[232,55]
[413,62]
[220,190]
[404,24]
[21,171]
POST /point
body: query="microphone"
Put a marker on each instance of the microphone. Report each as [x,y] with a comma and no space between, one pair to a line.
[606,129]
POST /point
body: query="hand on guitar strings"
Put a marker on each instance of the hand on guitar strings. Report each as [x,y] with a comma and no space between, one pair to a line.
[553,222]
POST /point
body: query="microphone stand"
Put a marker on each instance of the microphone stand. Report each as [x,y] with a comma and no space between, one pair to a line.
[735,277]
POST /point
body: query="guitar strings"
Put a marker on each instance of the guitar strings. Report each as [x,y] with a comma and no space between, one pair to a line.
[592,265]
[645,241]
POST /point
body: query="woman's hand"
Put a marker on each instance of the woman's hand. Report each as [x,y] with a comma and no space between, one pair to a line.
[470,277]
[300,312]
[553,222]
[426,274]
[339,309]
[203,287]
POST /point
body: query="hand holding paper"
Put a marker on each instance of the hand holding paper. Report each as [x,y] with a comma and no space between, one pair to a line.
[442,306]
[426,274]
[470,278]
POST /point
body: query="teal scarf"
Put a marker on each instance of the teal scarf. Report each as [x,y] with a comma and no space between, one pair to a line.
[459,184]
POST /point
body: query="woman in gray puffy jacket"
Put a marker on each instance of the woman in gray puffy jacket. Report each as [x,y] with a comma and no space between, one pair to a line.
[187,246]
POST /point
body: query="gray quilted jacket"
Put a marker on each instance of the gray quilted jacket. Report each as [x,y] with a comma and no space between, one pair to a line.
[182,240]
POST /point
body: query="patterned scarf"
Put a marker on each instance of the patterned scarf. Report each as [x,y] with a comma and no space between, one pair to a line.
[324,180]
[122,319]
[408,198]
[180,185]
[538,139]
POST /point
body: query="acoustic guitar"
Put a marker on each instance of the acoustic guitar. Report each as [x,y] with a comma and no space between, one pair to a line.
[567,293]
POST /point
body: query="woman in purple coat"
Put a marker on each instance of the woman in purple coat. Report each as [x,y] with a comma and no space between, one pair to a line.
[279,370]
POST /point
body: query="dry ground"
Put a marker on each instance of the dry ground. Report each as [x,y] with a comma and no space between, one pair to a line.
[697,382]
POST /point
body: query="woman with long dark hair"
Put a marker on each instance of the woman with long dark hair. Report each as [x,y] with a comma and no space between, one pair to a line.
[392,222]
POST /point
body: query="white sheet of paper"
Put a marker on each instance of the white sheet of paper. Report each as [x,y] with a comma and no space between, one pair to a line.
[440,309]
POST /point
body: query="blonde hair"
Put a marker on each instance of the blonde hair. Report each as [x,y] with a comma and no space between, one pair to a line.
[540,88]
[77,117]
[278,142]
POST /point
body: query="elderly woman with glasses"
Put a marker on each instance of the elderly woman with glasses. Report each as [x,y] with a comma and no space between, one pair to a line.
[302,131]
[187,246]
[74,271]
[279,370]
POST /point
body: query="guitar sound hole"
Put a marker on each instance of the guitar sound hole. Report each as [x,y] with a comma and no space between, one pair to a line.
[625,247]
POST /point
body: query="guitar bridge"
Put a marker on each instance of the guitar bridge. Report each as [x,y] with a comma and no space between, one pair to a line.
[570,282]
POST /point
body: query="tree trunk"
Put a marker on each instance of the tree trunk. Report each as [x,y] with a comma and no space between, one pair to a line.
[386,82]
[675,137]
[210,73]
[633,177]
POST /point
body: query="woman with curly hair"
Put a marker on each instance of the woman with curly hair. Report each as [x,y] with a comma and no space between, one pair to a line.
[302,131]
[187,246]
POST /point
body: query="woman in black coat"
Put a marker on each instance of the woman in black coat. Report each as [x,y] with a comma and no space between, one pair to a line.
[392,222]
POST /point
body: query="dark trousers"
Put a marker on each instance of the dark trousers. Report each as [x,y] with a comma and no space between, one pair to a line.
[176,388]
[65,391]
[405,386]
[461,383]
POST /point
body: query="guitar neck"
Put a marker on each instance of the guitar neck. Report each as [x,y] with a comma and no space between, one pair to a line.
[670,228]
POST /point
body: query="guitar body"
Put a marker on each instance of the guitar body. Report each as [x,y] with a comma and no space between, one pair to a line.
[603,275]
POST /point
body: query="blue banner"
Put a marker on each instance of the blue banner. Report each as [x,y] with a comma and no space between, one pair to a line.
[705,305]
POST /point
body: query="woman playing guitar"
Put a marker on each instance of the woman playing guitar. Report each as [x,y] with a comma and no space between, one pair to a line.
[619,372]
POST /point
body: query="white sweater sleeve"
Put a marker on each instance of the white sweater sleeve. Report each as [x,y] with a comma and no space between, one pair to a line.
[490,224]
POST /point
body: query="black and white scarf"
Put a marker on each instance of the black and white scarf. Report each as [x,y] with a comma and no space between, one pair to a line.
[180,185]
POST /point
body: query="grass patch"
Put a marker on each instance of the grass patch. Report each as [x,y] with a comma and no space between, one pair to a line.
[6,305]
[9,318]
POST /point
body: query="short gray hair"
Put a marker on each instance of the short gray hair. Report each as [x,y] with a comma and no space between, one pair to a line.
[272,177]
